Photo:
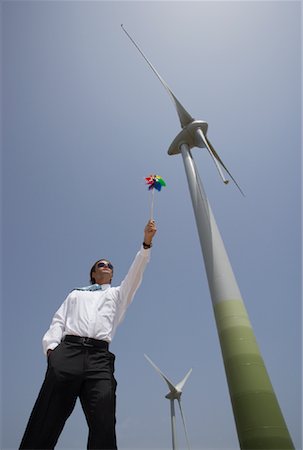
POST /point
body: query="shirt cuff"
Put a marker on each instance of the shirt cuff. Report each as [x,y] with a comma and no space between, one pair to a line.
[50,347]
[144,251]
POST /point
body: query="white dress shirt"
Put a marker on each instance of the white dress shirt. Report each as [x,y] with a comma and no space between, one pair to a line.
[96,314]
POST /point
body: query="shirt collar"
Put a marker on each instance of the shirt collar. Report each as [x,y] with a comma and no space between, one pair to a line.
[93,287]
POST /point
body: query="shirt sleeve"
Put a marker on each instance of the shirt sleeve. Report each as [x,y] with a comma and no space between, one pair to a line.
[132,281]
[54,334]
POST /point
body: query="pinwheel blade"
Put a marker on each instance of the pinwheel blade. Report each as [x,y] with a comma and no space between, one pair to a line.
[184,116]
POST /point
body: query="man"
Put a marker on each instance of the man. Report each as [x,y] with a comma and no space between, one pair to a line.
[79,361]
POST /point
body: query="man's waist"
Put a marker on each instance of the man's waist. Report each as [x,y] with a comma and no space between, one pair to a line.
[85,341]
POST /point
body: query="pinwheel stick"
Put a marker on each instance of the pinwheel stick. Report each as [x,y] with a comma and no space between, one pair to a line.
[152,204]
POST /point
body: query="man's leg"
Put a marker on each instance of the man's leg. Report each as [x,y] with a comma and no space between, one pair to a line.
[55,401]
[98,400]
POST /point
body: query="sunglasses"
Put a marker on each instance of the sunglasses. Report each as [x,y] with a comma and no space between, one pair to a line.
[103,264]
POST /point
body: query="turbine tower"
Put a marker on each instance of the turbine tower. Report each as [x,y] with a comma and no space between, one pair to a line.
[175,392]
[258,417]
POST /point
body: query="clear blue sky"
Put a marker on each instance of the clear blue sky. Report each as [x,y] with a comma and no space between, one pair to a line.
[84,120]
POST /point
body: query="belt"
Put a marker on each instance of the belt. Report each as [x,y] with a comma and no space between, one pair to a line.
[86,341]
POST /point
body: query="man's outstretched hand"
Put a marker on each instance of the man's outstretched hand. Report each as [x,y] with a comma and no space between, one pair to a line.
[149,232]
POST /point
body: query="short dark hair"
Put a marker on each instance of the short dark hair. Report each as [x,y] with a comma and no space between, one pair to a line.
[91,278]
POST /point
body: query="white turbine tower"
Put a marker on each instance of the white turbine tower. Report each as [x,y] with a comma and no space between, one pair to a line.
[175,392]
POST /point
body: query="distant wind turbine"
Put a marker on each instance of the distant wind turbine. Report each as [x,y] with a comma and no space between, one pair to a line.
[259,420]
[175,392]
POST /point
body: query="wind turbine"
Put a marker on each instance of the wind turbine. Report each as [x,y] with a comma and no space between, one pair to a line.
[194,132]
[175,392]
[258,417]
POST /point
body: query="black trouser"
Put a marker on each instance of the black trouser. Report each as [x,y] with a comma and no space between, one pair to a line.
[75,370]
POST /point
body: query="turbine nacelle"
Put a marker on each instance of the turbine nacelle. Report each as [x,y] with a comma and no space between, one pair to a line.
[195,135]
[190,136]
[173,395]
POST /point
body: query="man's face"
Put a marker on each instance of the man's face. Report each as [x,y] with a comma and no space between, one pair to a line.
[103,272]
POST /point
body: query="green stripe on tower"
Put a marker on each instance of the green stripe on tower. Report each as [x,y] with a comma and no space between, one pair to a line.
[259,420]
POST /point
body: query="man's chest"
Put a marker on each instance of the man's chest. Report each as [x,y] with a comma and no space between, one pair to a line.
[89,304]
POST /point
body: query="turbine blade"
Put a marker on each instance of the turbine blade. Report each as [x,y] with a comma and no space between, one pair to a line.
[184,116]
[171,386]
[206,143]
[223,165]
[184,424]
[180,385]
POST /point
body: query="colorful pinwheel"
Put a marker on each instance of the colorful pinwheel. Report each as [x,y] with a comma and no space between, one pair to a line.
[154,182]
